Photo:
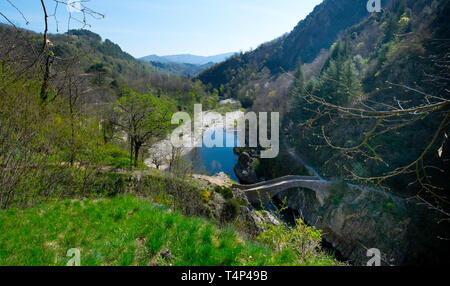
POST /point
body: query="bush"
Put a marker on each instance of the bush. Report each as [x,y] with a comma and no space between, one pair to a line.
[337,191]
[225,192]
[206,196]
[305,241]
[109,184]
[231,209]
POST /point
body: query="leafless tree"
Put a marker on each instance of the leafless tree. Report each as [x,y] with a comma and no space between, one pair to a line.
[45,56]
[380,118]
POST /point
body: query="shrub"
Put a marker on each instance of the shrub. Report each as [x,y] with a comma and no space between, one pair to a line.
[109,184]
[337,191]
[231,209]
[225,192]
[305,241]
[206,196]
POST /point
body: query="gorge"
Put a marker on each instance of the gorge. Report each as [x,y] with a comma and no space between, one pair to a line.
[139,161]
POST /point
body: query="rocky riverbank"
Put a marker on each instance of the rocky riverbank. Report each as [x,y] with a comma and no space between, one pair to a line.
[245,169]
[163,151]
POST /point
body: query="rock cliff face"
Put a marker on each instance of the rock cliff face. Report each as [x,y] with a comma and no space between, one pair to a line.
[244,169]
[355,220]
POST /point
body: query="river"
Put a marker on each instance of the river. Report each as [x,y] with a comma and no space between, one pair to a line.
[207,161]
[210,161]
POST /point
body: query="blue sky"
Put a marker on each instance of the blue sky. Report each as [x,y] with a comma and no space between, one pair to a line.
[164,27]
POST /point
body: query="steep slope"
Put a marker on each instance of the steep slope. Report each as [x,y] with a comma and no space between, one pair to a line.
[101,65]
[318,31]
[81,52]
[389,59]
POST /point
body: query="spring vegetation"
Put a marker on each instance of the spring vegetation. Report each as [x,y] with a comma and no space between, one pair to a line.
[363,98]
[78,115]
[130,230]
[370,107]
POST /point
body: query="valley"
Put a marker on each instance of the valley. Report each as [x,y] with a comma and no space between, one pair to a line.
[140,161]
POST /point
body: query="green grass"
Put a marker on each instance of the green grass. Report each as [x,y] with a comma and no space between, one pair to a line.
[125,230]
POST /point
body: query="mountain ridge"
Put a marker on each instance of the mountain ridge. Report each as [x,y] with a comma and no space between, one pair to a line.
[317,32]
[187,58]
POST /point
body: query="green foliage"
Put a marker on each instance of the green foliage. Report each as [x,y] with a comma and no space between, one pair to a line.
[143,117]
[114,156]
[109,184]
[299,83]
[303,241]
[231,209]
[339,82]
[85,33]
[125,231]
[337,192]
[206,196]
[224,191]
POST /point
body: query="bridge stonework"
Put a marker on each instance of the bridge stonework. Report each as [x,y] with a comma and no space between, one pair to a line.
[356,222]
[264,191]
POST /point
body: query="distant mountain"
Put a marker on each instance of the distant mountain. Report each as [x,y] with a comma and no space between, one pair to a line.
[180,69]
[187,59]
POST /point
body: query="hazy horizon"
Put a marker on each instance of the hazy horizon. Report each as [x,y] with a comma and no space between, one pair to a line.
[172,27]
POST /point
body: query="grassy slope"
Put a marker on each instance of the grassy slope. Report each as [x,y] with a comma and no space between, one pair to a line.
[125,230]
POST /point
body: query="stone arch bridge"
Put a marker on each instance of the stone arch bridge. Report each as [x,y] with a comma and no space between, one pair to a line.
[264,191]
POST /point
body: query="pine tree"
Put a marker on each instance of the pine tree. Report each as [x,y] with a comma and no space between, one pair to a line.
[350,88]
[299,82]
[340,83]
[297,92]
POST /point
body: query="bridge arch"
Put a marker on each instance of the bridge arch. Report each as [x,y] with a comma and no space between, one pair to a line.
[264,191]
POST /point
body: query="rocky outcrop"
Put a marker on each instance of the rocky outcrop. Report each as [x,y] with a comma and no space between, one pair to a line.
[354,220]
[255,221]
[220,179]
[244,169]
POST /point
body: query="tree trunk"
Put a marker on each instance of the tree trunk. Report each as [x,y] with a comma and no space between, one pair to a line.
[131,151]
[72,125]
[46,79]
[137,148]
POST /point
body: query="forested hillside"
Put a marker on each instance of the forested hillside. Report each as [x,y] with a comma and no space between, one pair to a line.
[394,59]
[101,64]
[376,111]
[180,69]
[77,117]
[87,160]
[66,100]
[184,65]
[255,74]
[391,61]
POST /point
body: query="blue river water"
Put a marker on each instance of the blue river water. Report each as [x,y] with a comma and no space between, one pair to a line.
[210,161]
